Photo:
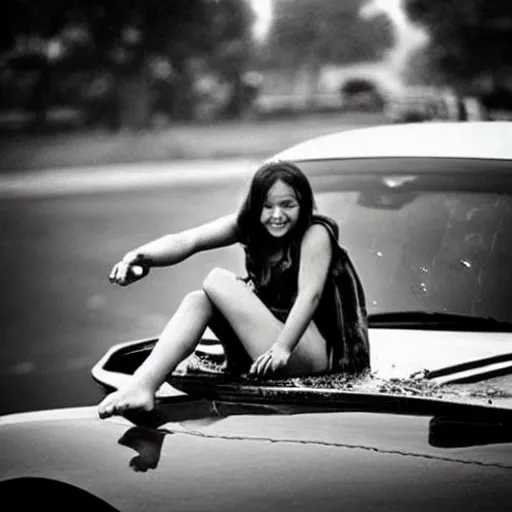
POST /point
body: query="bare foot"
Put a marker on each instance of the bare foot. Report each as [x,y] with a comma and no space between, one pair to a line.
[130,398]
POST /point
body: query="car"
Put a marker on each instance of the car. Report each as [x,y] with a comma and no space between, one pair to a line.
[425,212]
[427,103]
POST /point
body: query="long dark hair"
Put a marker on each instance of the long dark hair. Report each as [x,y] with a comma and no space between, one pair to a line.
[252,234]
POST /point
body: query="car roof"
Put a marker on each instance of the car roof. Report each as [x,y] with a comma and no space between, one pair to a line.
[485,139]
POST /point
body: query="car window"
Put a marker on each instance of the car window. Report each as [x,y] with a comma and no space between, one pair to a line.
[433,250]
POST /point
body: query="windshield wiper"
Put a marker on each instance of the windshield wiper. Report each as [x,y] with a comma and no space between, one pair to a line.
[436,320]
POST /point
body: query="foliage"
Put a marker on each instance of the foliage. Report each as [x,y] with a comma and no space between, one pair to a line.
[121,53]
[326,32]
[468,38]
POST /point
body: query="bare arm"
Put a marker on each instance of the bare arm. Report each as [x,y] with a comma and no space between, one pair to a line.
[316,253]
[173,248]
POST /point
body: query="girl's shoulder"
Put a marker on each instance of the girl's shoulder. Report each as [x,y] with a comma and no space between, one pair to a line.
[329,223]
[320,235]
[333,229]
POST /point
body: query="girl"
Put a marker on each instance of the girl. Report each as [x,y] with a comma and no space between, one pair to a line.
[300,309]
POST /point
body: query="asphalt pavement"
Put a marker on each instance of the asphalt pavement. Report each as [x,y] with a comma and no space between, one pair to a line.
[76,180]
[62,229]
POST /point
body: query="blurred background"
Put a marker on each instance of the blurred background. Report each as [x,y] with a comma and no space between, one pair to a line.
[109,108]
[110,67]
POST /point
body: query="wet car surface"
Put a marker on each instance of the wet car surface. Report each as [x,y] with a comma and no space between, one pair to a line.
[224,456]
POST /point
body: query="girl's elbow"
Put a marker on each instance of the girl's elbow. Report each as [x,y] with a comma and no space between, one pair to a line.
[310,297]
[185,244]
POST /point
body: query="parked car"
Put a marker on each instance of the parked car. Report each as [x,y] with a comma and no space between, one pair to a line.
[424,103]
[425,211]
[362,94]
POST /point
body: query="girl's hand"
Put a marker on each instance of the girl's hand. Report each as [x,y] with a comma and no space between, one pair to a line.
[130,269]
[275,358]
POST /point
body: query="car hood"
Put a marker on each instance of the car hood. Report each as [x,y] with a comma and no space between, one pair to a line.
[399,353]
[194,454]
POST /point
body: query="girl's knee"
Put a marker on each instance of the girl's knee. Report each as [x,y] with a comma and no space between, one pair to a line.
[197,298]
[216,281]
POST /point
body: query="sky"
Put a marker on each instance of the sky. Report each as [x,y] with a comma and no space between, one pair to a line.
[263,10]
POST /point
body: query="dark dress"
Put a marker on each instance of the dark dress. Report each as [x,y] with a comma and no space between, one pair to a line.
[340,317]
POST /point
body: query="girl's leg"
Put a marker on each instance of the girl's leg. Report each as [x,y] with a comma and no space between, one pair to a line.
[177,341]
[257,328]
[237,360]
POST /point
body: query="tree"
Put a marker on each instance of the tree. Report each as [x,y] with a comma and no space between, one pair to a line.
[232,43]
[469,39]
[307,34]
[123,38]
[120,41]
[27,37]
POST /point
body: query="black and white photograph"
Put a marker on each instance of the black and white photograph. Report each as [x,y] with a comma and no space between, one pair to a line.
[255,255]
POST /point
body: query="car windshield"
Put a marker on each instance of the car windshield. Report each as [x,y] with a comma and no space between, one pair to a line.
[425,235]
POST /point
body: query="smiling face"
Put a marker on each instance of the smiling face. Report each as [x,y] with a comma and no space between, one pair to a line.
[280,211]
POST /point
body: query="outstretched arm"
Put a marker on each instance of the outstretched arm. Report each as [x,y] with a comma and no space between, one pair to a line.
[176,247]
[316,253]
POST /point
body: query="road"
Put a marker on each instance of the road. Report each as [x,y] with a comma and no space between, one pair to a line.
[61,234]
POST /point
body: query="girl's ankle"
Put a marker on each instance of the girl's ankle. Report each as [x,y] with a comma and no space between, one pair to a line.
[144,383]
